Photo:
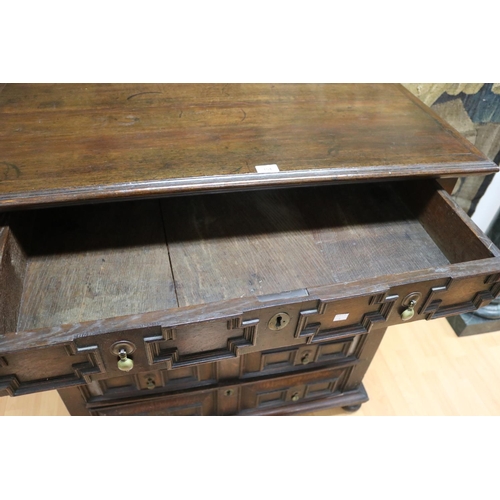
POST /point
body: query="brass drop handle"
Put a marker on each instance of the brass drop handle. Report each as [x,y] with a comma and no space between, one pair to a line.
[409,312]
[125,364]
[123,349]
[305,359]
[295,396]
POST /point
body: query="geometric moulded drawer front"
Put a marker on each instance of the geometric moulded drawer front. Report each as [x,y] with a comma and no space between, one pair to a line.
[249,396]
[195,404]
[305,356]
[291,389]
[77,358]
[439,256]
[435,298]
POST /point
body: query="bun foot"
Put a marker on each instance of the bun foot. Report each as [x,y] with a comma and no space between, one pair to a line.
[351,408]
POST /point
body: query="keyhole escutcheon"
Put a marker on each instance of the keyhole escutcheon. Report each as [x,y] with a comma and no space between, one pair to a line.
[279,321]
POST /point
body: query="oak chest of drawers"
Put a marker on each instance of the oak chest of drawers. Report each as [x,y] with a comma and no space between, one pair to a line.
[224,249]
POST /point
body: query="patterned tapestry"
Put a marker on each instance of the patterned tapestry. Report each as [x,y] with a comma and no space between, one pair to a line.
[474,110]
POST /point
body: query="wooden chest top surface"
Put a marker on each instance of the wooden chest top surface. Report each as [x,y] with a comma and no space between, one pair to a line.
[72,143]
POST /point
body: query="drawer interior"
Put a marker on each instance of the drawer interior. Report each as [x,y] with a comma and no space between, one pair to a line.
[72,264]
[92,262]
[266,242]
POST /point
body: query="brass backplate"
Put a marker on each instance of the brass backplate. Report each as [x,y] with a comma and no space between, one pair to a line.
[416,296]
[126,345]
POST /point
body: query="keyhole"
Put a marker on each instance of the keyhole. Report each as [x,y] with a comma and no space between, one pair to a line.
[278,321]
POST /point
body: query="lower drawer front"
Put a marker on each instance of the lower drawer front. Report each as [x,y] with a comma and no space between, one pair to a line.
[279,392]
[245,398]
[194,404]
[250,366]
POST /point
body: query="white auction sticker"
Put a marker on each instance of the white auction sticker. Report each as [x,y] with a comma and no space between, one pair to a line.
[341,317]
[266,169]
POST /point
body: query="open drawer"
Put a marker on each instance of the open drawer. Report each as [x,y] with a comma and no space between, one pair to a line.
[188,280]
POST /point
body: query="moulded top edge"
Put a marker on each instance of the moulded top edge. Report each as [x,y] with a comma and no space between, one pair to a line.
[234,182]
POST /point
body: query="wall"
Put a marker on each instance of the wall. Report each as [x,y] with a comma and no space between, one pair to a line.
[474,110]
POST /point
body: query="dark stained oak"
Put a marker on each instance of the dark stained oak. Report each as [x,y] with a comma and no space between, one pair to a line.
[111,141]
[232,296]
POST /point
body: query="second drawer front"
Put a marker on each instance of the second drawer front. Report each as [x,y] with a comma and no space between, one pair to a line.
[250,397]
[280,360]
[249,366]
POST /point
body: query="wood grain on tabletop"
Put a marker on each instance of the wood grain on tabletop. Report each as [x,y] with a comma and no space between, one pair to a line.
[94,141]
[421,368]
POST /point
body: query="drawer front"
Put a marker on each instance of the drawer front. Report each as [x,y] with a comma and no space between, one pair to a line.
[90,353]
[307,356]
[151,383]
[166,351]
[335,318]
[249,397]
[250,366]
[284,391]
[194,404]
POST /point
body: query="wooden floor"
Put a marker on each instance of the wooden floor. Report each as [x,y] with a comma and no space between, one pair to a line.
[422,368]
